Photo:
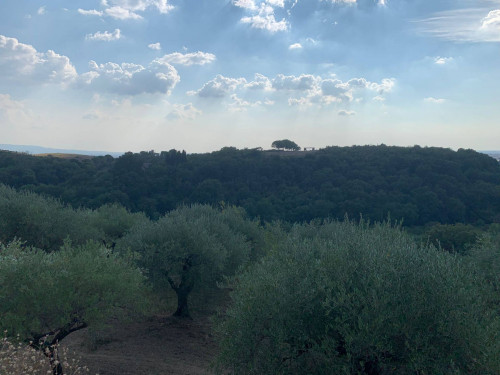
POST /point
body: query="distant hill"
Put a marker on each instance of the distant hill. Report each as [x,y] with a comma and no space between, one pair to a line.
[493,154]
[34,150]
[419,185]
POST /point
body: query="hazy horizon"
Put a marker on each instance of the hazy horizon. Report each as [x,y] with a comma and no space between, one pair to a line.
[132,75]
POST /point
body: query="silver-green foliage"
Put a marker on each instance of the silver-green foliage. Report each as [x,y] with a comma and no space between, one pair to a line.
[46,222]
[42,222]
[189,248]
[343,298]
[44,292]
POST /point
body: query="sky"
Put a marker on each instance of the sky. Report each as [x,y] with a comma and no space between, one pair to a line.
[199,75]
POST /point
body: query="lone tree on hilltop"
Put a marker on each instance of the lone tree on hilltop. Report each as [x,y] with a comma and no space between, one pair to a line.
[285,144]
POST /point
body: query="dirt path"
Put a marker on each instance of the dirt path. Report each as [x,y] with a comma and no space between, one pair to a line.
[158,346]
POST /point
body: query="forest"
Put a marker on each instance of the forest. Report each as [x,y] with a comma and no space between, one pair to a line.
[418,185]
[366,260]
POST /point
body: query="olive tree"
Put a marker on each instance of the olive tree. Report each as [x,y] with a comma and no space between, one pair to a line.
[46,296]
[345,298]
[42,222]
[189,248]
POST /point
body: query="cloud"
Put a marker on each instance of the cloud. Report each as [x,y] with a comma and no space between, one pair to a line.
[342,1]
[331,90]
[492,21]
[336,88]
[434,100]
[303,90]
[277,3]
[240,105]
[299,102]
[387,85]
[183,112]
[23,63]
[41,11]
[218,87]
[472,25]
[343,112]
[247,4]
[303,82]
[265,20]
[130,79]
[295,46]
[443,60]
[122,13]
[188,59]
[140,5]
[127,9]
[105,36]
[90,12]
[155,46]
[260,82]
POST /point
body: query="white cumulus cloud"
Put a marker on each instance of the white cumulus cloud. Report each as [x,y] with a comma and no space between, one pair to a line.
[90,12]
[276,3]
[387,85]
[122,13]
[265,20]
[492,21]
[187,59]
[155,46]
[443,60]
[140,5]
[105,36]
[260,82]
[295,46]
[247,4]
[22,62]
[219,87]
[130,79]
[303,82]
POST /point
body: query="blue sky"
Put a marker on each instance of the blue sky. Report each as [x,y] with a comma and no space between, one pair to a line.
[198,75]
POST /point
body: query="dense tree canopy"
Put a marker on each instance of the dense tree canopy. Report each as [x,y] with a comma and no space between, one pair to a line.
[419,185]
[192,248]
[341,298]
[285,144]
[45,222]
[46,296]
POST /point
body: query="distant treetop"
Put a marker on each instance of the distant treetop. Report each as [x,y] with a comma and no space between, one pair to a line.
[286,144]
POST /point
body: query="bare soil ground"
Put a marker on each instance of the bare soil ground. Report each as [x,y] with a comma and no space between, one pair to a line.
[161,345]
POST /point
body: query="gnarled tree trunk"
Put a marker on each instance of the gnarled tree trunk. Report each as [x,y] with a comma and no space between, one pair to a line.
[183,289]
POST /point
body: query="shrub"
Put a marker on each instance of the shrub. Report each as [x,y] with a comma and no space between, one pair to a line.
[19,358]
[50,295]
[342,298]
[42,222]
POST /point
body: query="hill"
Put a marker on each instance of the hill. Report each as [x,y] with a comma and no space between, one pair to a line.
[37,150]
[417,184]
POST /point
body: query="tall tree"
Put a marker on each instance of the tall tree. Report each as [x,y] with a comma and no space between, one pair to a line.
[189,248]
[285,144]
